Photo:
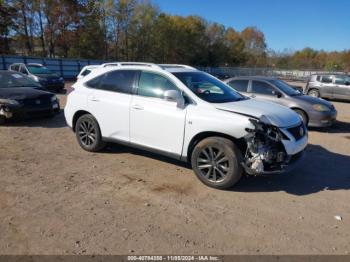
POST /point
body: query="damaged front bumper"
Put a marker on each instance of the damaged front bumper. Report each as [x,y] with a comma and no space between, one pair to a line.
[15,111]
[273,150]
[292,163]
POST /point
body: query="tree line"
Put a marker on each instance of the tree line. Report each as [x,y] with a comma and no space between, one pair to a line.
[137,30]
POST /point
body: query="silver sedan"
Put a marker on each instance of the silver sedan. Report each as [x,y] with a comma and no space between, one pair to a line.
[314,111]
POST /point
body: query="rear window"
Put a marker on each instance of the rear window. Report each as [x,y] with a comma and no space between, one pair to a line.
[86,72]
[239,85]
[120,81]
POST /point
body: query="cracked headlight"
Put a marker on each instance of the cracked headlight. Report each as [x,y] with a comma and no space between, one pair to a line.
[321,108]
[8,102]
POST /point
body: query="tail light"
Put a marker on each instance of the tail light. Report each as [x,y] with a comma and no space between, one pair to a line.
[69,90]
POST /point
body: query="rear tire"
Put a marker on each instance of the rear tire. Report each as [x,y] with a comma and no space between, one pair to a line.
[314,93]
[216,162]
[303,116]
[88,133]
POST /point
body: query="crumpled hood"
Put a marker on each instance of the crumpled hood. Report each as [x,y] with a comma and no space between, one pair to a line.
[20,93]
[277,115]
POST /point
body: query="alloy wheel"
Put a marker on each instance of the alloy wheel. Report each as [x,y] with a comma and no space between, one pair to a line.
[213,164]
[87,133]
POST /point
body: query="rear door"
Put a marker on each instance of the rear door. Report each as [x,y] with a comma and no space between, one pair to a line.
[109,102]
[341,87]
[327,86]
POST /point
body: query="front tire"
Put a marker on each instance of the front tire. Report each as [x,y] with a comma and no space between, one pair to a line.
[216,162]
[88,133]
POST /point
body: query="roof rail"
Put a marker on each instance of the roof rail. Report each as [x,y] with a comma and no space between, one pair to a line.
[130,64]
[164,66]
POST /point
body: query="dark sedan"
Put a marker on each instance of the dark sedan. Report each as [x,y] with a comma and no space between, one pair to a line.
[313,111]
[21,97]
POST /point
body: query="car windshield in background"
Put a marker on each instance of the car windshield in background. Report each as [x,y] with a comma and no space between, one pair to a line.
[38,70]
[10,80]
[284,87]
[208,88]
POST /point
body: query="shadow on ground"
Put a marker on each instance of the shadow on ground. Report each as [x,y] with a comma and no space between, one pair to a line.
[337,127]
[320,170]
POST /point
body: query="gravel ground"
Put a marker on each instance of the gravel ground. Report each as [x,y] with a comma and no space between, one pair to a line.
[56,198]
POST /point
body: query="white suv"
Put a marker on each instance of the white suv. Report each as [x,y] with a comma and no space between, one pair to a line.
[187,114]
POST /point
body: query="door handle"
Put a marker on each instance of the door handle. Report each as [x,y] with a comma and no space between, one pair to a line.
[252,96]
[137,107]
[94,99]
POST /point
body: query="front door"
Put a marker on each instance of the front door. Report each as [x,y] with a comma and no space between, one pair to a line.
[155,122]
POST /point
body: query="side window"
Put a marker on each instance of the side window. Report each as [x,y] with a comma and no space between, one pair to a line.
[342,80]
[95,82]
[262,88]
[85,72]
[118,81]
[15,67]
[327,79]
[154,85]
[239,85]
[23,70]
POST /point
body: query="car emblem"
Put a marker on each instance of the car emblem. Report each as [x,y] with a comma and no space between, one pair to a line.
[301,131]
[38,102]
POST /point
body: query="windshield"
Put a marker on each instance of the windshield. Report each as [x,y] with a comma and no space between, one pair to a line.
[38,70]
[208,88]
[11,79]
[285,88]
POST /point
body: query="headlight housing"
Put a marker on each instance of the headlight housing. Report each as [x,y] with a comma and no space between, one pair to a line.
[321,108]
[8,102]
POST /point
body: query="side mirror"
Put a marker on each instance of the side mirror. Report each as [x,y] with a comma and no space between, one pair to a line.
[277,93]
[174,96]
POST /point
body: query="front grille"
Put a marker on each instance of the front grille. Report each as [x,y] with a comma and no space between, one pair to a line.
[296,131]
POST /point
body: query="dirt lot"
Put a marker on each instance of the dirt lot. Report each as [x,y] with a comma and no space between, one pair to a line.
[57,199]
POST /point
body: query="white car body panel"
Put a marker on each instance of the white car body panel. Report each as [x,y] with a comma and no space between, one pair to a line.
[157,123]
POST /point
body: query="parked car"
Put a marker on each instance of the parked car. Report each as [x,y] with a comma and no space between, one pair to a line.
[313,111]
[329,86]
[186,114]
[40,74]
[20,96]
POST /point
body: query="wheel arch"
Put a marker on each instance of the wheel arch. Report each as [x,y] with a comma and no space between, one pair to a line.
[302,110]
[239,142]
[76,117]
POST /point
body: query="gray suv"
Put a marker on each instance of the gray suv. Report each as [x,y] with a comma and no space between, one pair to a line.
[328,86]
